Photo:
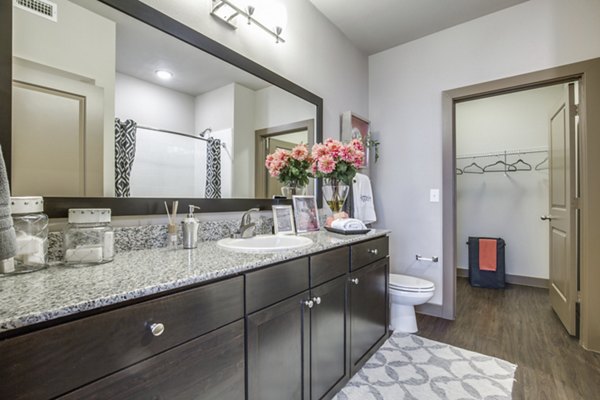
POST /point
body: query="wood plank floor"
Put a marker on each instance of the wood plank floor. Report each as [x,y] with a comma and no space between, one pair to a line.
[517,324]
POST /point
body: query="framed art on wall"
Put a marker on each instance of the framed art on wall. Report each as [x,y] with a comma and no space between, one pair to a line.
[306,213]
[283,220]
[354,126]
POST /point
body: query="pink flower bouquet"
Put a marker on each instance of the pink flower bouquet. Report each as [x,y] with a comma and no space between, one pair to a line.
[290,167]
[337,161]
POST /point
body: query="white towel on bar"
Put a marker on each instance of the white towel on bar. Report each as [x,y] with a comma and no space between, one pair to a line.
[364,208]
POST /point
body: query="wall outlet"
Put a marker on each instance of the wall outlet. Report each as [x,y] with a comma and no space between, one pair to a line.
[434,195]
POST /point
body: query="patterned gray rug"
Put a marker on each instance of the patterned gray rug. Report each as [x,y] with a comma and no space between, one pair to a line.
[410,367]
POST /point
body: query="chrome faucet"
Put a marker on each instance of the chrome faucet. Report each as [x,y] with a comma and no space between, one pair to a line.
[247,228]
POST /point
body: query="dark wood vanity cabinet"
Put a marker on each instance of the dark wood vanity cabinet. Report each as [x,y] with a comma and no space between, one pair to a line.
[296,330]
[51,362]
[368,301]
[278,345]
[328,339]
[210,367]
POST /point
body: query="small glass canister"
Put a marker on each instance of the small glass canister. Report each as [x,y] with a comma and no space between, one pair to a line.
[31,228]
[88,238]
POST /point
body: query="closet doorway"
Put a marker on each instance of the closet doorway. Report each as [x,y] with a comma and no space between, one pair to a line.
[516,175]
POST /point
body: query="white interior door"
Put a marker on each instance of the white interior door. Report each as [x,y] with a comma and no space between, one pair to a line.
[57,135]
[563,205]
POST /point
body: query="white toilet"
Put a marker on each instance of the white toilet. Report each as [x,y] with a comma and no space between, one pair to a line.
[406,292]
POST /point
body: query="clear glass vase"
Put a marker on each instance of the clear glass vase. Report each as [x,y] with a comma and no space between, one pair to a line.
[335,193]
[292,189]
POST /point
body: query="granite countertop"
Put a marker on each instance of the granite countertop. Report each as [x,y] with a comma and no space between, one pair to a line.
[60,291]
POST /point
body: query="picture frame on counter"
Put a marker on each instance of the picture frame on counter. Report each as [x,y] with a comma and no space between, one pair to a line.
[283,220]
[306,214]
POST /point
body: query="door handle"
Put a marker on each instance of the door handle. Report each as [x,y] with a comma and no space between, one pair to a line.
[546,217]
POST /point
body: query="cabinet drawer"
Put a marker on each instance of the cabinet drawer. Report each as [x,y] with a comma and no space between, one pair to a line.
[367,252]
[211,366]
[50,362]
[326,266]
[272,284]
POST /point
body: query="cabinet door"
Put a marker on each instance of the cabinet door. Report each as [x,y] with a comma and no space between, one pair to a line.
[210,367]
[278,351]
[328,337]
[368,310]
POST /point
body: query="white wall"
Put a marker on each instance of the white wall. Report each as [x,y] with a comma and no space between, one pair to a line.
[405,106]
[507,206]
[243,141]
[153,105]
[275,107]
[90,55]
[316,55]
[214,109]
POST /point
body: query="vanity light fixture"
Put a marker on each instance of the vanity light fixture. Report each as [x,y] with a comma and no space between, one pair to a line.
[163,74]
[271,17]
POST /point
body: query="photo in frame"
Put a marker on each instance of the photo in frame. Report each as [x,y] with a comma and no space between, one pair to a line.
[306,213]
[354,126]
[283,220]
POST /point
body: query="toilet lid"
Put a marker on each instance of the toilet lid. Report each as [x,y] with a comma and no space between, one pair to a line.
[405,282]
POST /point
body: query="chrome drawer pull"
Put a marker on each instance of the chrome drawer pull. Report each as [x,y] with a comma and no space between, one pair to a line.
[157,329]
[373,251]
[317,300]
[354,280]
[309,303]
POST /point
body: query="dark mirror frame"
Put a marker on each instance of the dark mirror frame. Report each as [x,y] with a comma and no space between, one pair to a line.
[57,207]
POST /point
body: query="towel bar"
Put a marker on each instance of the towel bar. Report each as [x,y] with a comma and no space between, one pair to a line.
[432,259]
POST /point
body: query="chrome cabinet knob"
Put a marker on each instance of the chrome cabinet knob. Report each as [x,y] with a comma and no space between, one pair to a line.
[373,251]
[309,303]
[157,329]
[317,300]
[354,280]
[546,217]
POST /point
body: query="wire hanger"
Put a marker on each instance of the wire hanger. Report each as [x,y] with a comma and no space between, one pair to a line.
[540,166]
[459,171]
[476,169]
[525,165]
[505,167]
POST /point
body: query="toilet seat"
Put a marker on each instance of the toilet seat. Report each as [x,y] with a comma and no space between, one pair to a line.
[407,283]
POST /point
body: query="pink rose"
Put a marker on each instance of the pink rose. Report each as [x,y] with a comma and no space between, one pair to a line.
[300,152]
[357,144]
[334,147]
[319,150]
[326,164]
[359,157]
[348,154]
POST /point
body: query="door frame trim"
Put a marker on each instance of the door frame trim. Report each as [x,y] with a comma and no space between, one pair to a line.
[260,174]
[588,73]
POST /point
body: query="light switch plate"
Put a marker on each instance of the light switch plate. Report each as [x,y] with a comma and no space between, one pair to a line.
[434,195]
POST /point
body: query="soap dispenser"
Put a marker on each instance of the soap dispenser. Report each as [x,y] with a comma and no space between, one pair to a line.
[190,229]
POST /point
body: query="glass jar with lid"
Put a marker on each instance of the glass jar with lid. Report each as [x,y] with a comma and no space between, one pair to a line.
[88,238]
[31,229]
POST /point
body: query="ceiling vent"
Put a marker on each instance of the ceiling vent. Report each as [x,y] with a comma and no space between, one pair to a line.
[43,8]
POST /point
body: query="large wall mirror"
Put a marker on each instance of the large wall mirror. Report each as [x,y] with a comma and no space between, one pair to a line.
[115,104]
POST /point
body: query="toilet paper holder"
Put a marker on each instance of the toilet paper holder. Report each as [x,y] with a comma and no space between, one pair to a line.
[431,259]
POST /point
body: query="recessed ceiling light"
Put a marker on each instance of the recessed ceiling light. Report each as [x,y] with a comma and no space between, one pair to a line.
[163,74]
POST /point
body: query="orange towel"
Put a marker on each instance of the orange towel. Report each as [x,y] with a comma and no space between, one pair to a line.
[487,254]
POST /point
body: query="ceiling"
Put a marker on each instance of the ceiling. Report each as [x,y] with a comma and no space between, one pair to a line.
[377,25]
[141,50]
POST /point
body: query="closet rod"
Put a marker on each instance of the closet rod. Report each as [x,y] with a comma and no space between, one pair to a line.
[508,153]
[175,133]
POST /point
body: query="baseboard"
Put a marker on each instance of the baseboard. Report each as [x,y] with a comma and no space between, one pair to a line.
[434,310]
[513,279]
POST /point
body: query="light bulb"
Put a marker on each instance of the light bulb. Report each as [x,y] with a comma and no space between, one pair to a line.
[163,74]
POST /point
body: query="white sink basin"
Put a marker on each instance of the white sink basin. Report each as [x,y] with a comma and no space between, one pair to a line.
[266,243]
